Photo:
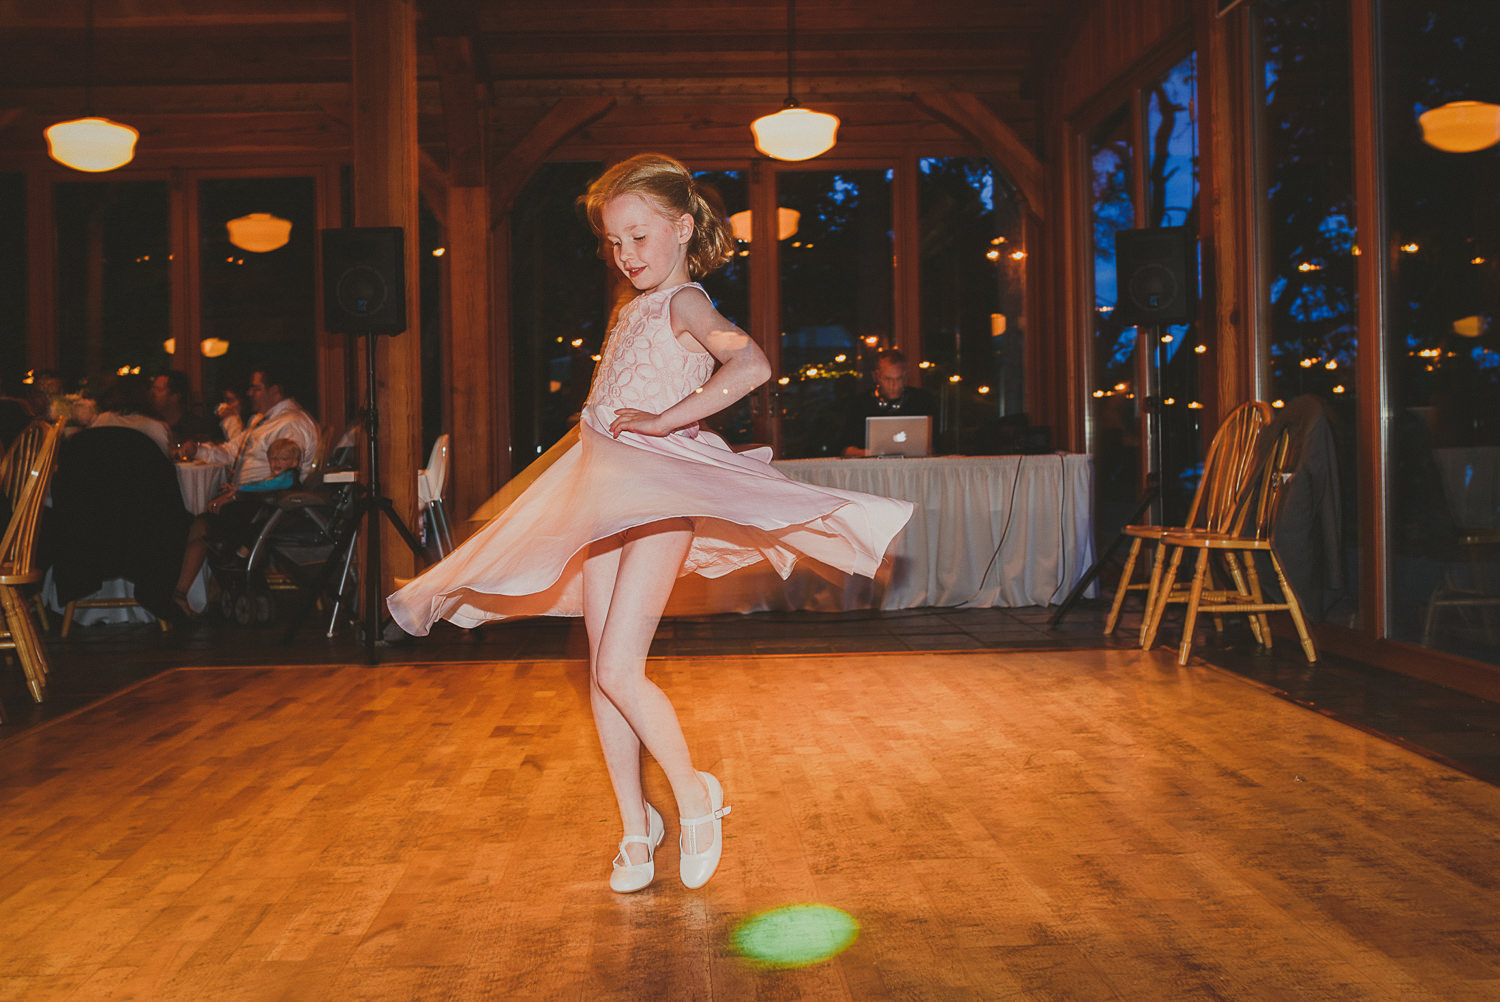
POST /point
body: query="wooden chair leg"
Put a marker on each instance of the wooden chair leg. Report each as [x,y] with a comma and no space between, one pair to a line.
[1162,583]
[1122,587]
[41,612]
[1258,624]
[1295,609]
[1195,596]
[1258,597]
[67,623]
[28,645]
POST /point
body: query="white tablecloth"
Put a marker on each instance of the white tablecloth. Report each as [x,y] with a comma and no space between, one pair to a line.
[987,531]
[200,483]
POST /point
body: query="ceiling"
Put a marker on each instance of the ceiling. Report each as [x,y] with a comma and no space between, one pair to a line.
[271,77]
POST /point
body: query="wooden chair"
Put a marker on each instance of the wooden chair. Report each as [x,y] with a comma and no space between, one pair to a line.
[1480,546]
[1232,446]
[18,564]
[1246,531]
[15,466]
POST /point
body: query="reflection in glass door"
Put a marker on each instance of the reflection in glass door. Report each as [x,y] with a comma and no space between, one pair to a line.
[836,299]
[1114,404]
[257,306]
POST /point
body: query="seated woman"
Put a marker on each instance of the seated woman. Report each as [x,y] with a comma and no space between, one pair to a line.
[231,515]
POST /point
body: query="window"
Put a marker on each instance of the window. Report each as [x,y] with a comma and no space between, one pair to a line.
[256,307]
[113,282]
[1442,262]
[1308,246]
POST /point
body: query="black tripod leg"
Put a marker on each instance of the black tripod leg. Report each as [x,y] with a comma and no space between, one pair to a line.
[389,509]
[1098,565]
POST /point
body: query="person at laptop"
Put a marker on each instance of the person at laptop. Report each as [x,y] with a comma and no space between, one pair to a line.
[892,398]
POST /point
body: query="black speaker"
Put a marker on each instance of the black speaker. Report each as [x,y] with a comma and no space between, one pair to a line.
[364,280]
[1156,276]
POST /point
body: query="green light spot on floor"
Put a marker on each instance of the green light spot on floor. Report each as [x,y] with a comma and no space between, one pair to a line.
[795,936]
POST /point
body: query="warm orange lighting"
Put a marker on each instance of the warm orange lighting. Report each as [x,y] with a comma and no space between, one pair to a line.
[439,251]
[1338,389]
[1410,248]
[169,346]
[1469,326]
[1461,126]
[1278,403]
[1200,349]
[787,221]
[91,144]
[795,133]
[259,232]
[984,389]
[1018,255]
[213,347]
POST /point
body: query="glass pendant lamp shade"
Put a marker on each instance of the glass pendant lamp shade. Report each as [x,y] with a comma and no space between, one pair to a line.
[1461,126]
[795,133]
[91,144]
[259,232]
[787,221]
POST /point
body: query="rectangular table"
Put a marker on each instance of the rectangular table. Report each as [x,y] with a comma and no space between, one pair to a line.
[987,531]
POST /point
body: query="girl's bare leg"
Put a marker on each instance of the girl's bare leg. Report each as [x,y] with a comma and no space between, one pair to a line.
[626,583]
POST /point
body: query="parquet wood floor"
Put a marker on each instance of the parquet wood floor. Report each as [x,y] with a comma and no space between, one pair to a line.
[1044,825]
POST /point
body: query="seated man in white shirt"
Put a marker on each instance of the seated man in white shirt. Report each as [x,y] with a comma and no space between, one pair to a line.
[280,417]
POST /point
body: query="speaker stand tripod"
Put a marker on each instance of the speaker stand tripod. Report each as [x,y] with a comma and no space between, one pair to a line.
[1151,498]
[369,506]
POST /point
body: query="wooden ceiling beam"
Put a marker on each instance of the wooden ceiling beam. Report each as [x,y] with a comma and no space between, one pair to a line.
[562,120]
[970,115]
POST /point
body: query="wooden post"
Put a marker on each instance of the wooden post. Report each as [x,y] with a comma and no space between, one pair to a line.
[383,37]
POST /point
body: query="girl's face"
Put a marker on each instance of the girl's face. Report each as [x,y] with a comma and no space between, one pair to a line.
[648,247]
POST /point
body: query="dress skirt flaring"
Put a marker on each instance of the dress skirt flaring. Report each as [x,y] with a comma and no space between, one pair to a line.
[528,560]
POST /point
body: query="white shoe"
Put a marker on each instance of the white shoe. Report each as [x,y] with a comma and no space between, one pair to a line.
[696,867]
[628,876]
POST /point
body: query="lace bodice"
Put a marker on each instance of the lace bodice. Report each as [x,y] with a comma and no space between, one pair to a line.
[643,365]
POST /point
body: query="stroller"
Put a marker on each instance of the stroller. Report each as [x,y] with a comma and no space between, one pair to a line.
[296,532]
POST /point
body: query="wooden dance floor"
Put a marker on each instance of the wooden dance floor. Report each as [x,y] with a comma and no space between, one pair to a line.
[1070,826]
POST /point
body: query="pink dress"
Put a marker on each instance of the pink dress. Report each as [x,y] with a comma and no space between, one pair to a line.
[528,560]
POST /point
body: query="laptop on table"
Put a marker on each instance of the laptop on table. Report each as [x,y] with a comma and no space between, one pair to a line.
[900,435]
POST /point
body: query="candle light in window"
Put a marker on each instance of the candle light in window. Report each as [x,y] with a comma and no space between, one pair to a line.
[169,346]
[1339,388]
[872,340]
[1018,255]
[1170,401]
[955,378]
[1410,248]
[997,324]
[784,380]
[1278,403]
[1200,349]
[213,347]
[1195,406]
[1098,394]
[984,389]
[1121,387]
[841,358]
[1332,363]
[578,342]
[993,254]
[1166,339]
[1476,260]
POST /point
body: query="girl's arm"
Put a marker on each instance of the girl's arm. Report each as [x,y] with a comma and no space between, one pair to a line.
[742,367]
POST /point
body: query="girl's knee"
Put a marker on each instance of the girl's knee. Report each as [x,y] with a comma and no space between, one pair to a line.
[615,679]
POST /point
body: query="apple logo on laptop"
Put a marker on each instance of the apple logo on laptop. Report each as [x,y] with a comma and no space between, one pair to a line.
[900,436]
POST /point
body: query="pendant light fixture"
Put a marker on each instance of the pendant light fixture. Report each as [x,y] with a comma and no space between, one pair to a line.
[91,143]
[794,132]
[259,232]
[1461,126]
